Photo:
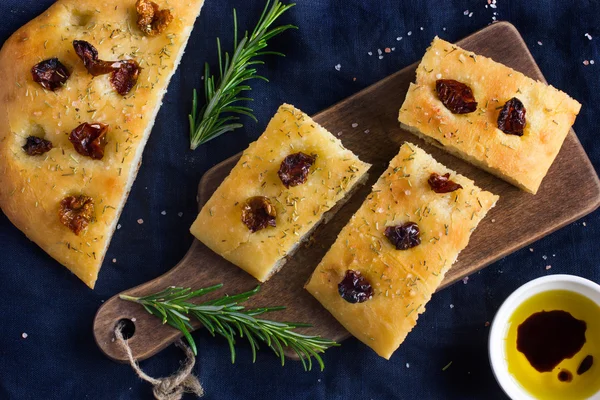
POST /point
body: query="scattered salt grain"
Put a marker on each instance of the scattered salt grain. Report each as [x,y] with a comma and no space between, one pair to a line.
[470,14]
[539,43]
[140,221]
[381,57]
[588,36]
[180,214]
[592,62]
[319,380]
[444,28]
[407,365]
[114,260]
[393,49]
[548,267]
[338,67]
[24,335]
[379,51]
[354,124]
[370,53]
[409,33]
[584,224]
[133,319]
[367,131]
[438,76]
[340,133]
[531,249]
[163,212]
[466,12]
[451,305]
[118,226]
[465,280]
[421,28]
[545,257]
[399,38]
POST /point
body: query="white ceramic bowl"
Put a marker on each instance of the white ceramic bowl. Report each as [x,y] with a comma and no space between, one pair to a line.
[498,330]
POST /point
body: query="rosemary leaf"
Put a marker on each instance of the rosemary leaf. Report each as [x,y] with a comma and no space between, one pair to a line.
[226,317]
[223,92]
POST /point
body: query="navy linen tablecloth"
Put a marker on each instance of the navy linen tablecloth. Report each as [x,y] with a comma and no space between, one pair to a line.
[333,55]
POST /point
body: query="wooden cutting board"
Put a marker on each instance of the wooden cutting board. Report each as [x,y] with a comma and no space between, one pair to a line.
[570,190]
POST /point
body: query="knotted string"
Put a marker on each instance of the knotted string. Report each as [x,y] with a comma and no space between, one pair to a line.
[172,387]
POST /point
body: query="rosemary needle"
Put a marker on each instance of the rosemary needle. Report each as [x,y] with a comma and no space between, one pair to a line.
[221,94]
[226,317]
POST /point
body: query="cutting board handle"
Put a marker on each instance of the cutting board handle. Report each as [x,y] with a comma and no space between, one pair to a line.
[147,335]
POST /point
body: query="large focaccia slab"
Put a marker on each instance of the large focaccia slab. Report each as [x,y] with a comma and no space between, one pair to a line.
[331,174]
[522,160]
[393,254]
[33,187]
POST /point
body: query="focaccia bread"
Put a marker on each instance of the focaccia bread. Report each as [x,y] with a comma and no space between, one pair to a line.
[393,254]
[73,124]
[501,121]
[287,182]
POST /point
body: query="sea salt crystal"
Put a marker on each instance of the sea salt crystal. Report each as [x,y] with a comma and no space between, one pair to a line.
[539,43]
[163,212]
[584,224]
[118,226]
[421,28]
[451,305]
[140,221]
[379,51]
[465,280]
[381,57]
[466,12]
[470,14]
[399,38]
[587,35]
[407,365]
[24,335]
[592,62]
[338,67]
[409,33]
[545,257]
[354,124]
[370,53]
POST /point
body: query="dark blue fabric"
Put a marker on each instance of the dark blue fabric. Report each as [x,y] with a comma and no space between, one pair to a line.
[59,359]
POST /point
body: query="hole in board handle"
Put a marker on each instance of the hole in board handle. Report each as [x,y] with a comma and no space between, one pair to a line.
[128,328]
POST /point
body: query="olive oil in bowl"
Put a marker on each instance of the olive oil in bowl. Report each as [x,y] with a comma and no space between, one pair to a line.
[553,345]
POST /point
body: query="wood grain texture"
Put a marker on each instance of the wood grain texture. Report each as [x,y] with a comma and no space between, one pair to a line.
[570,190]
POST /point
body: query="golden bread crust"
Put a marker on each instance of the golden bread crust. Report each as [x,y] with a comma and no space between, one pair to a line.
[520,160]
[31,187]
[403,280]
[299,208]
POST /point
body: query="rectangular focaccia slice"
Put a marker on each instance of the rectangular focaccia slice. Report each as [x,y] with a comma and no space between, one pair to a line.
[296,172]
[42,193]
[475,136]
[377,277]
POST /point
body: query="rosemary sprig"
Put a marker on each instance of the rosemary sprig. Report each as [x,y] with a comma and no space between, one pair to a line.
[226,317]
[208,123]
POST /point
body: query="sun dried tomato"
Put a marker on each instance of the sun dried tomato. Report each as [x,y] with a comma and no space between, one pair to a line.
[456,96]
[36,146]
[51,74]
[294,169]
[76,212]
[152,20]
[258,213]
[442,183]
[124,73]
[511,119]
[404,236]
[125,77]
[355,288]
[89,139]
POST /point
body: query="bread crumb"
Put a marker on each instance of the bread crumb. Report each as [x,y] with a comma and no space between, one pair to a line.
[140,221]
[487,323]
[387,50]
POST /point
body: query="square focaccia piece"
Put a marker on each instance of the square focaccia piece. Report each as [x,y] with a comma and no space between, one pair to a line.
[284,184]
[488,114]
[391,257]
